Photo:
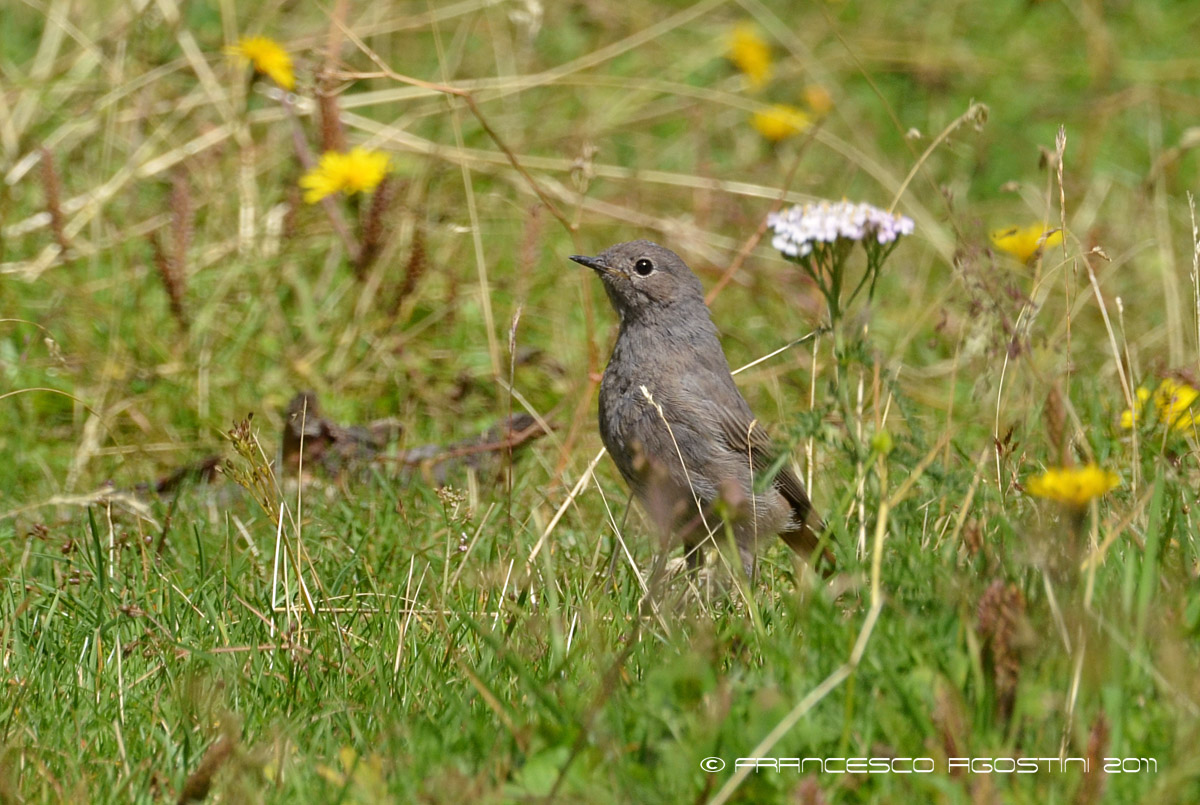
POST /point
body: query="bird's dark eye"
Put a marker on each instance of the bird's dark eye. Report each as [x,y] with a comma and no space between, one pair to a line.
[643,267]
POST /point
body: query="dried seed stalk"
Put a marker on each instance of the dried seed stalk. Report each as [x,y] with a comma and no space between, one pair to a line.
[52,188]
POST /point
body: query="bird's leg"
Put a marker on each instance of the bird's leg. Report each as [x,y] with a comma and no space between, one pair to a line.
[749,560]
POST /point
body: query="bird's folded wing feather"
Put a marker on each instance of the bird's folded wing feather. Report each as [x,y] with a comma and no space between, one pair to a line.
[749,438]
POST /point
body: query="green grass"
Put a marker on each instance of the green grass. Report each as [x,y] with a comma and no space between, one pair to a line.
[442,661]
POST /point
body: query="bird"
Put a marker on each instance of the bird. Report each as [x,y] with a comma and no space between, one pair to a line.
[676,425]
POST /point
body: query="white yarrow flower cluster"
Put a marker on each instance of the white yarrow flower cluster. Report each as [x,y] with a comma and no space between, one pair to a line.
[800,229]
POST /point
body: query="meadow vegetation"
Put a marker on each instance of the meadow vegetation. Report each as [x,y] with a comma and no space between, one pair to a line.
[1001,439]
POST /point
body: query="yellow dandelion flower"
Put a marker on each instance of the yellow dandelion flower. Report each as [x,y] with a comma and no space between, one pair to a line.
[1172,402]
[359,171]
[750,54]
[268,58]
[818,100]
[1025,242]
[781,121]
[1129,417]
[1073,486]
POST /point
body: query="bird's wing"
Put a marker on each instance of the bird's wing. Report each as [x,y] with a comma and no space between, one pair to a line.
[724,414]
[749,438]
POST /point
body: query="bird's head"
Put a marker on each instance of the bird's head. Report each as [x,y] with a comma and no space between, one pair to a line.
[643,278]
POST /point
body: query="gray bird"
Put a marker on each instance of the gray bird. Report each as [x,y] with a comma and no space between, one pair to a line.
[675,424]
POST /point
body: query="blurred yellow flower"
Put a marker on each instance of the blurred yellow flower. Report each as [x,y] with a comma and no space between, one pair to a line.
[1073,486]
[1128,417]
[1026,242]
[750,54]
[1173,402]
[359,171]
[781,121]
[818,99]
[268,58]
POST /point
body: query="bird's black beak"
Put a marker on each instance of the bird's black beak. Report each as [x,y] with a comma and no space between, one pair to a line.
[594,263]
